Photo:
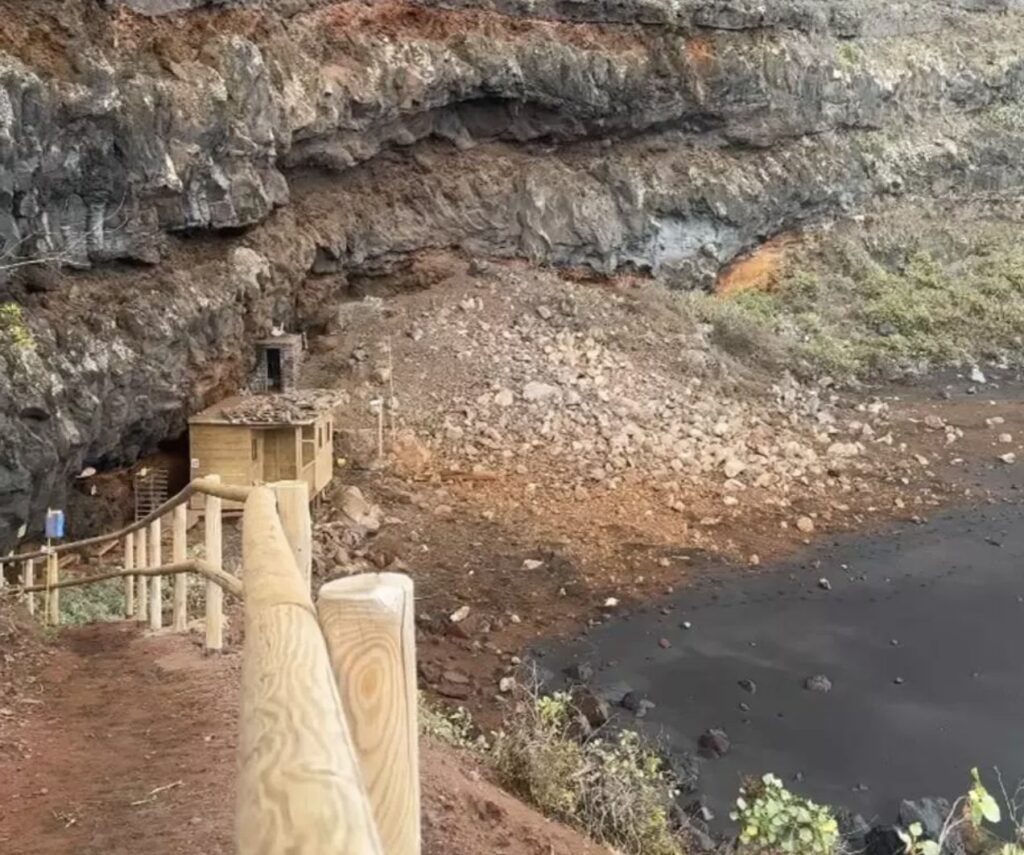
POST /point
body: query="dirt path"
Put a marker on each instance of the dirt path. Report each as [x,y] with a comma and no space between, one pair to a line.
[113,715]
[122,715]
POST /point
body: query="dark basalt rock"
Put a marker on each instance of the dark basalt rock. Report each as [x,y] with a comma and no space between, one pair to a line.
[760,122]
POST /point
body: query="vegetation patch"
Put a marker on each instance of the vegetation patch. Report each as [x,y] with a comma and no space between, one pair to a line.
[14,332]
[452,727]
[98,602]
[773,820]
[617,790]
[860,308]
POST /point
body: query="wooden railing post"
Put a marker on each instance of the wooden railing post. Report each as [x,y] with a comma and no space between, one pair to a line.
[367,622]
[293,510]
[156,601]
[52,594]
[214,555]
[129,580]
[28,580]
[141,589]
[299,787]
[179,553]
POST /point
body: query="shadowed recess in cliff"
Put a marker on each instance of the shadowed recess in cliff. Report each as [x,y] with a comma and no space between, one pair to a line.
[347,137]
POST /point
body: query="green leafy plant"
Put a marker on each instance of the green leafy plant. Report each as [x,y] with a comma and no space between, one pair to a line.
[773,820]
[95,603]
[913,839]
[13,329]
[970,811]
[450,726]
[980,803]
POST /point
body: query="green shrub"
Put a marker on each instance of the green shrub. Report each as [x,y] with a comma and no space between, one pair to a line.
[616,790]
[14,332]
[772,820]
[451,727]
[98,602]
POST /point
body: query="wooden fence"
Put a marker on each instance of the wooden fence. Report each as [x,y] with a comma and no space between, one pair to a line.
[328,754]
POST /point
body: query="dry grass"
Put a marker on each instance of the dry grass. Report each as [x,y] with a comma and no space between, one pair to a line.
[614,789]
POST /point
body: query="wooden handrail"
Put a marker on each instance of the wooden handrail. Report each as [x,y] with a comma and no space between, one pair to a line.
[229,583]
[204,486]
[300,788]
[320,770]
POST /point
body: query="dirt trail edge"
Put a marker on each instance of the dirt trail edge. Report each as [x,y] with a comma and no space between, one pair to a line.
[124,742]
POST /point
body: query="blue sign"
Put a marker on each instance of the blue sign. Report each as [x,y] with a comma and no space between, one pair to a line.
[54,524]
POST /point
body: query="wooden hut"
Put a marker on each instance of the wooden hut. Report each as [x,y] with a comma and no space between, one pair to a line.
[259,439]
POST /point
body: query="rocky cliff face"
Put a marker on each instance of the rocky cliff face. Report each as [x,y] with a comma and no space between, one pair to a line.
[190,178]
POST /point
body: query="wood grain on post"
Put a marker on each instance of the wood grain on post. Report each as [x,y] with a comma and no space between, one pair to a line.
[179,553]
[28,580]
[156,599]
[141,590]
[214,555]
[367,621]
[293,510]
[299,788]
[129,580]
[52,596]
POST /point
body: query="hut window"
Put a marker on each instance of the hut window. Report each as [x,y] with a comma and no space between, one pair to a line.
[308,444]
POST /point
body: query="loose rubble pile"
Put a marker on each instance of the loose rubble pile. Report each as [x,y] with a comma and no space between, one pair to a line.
[278,408]
[597,388]
[340,534]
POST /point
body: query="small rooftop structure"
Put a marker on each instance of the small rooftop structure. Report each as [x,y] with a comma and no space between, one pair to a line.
[278,360]
[259,439]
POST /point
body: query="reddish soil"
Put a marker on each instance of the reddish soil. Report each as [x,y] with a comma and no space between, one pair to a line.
[120,716]
[125,742]
[45,33]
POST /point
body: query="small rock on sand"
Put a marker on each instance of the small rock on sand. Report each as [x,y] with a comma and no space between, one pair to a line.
[818,683]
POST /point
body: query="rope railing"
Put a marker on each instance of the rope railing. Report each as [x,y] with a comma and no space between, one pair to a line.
[328,737]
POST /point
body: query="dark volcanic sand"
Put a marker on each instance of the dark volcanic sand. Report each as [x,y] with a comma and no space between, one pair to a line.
[951,597]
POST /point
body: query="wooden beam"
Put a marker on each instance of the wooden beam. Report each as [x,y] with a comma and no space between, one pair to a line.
[141,590]
[52,591]
[156,600]
[212,522]
[293,511]
[367,622]
[179,554]
[227,582]
[129,580]
[299,786]
[28,579]
[207,486]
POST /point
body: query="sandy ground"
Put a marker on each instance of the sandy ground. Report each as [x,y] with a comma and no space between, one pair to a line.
[918,628]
